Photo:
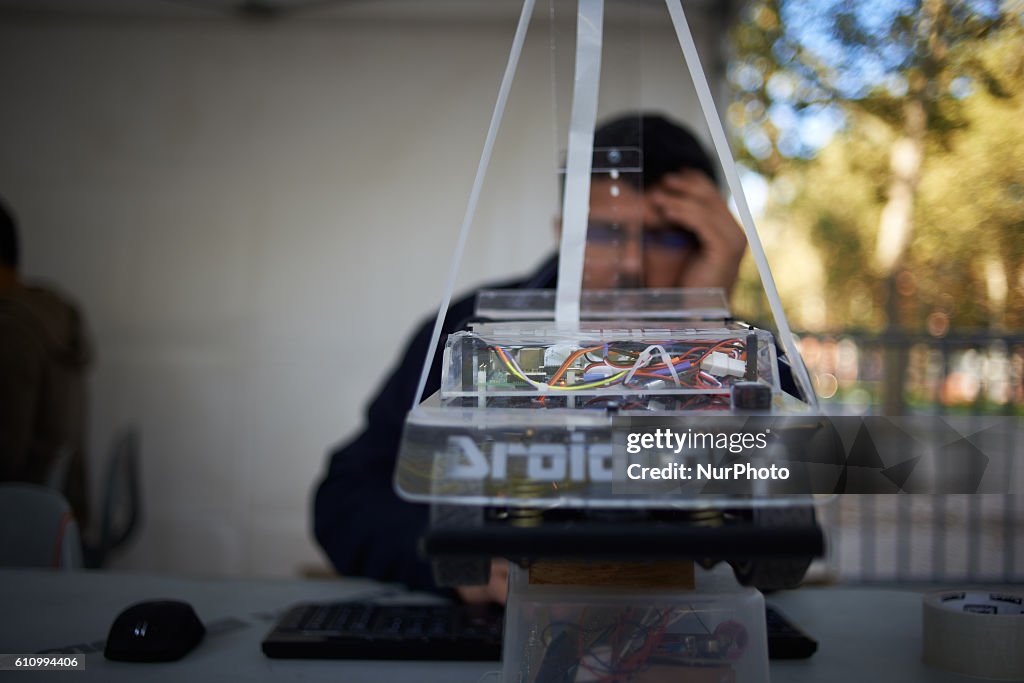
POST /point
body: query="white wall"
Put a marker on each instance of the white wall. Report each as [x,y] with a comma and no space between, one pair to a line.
[254,216]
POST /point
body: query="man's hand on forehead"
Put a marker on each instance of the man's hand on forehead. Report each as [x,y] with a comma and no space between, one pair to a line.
[689,199]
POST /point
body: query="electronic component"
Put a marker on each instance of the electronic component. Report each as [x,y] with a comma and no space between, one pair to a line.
[599,644]
[720,365]
[751,396]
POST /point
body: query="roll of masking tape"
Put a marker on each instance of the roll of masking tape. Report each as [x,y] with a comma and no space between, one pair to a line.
[975,633]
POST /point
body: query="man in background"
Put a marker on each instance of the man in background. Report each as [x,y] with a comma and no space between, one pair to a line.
[665,227]
[44,356]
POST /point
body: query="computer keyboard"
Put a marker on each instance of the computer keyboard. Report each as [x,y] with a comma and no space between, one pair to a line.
[364,630]
[360,630]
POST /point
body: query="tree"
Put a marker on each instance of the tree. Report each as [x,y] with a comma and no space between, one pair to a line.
[854,103]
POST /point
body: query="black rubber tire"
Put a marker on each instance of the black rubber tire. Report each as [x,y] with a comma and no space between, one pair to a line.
[450,572]
[776,573]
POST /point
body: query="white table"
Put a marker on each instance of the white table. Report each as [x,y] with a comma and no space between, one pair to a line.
[864,634]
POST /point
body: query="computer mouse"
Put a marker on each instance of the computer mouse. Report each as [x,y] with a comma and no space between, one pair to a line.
[154,631]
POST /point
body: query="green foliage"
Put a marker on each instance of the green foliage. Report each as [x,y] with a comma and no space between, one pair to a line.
[971,200]
[851,68]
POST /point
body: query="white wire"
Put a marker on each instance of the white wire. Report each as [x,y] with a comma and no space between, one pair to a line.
[721,143]
[645,357]
[579,161]
[474,195]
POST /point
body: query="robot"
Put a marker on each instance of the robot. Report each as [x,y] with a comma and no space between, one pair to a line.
[637,455]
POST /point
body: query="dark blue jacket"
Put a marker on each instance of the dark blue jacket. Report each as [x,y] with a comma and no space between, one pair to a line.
[359,521]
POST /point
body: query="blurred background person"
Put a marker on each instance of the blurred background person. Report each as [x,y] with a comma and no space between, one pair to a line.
[45,354]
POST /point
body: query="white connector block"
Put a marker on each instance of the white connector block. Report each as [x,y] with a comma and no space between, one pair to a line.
[720,364]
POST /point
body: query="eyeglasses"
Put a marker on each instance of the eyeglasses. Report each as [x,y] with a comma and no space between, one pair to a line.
[672,238]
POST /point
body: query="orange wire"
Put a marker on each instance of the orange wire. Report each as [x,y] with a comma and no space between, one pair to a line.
[569,361]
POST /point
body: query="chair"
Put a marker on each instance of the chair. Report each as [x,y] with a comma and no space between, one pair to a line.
[122,501]
[37,528]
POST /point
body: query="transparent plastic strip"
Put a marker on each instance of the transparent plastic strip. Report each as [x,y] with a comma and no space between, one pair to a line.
[707,104]
[474,195]
[576,202]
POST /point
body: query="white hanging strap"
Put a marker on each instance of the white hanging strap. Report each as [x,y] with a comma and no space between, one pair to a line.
[474,195]
[732,177]
[576,201]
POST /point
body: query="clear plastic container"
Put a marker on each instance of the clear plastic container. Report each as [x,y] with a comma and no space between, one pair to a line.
[535,365]
[588,634]
[535,413]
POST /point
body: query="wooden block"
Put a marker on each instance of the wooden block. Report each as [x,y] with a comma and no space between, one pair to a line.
[673,574]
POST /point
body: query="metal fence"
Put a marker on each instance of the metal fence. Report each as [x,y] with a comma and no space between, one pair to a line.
[936,538]
[979,373]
